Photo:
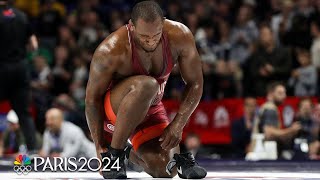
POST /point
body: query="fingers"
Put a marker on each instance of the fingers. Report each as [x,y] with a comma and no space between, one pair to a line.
[170,142]
[165,142]
[176,143]
[173,144]
[162,137]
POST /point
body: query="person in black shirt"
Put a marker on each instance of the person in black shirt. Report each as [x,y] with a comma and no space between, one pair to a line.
[241,129]
[15,33]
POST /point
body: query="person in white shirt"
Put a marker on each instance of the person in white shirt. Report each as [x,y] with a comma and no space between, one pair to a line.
[64,139]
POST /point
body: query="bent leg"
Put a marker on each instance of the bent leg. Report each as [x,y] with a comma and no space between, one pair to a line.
[130,100]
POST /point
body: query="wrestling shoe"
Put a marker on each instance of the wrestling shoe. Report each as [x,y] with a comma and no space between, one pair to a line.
[115,169]
[128,163]
[187,167]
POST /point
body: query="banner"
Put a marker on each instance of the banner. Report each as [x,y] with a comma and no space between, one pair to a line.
[212,120]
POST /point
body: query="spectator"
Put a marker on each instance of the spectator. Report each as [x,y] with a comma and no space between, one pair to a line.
[241,129]
[304,115]
[192,22]
[299,33]
[206,38]
[281,23]
[79,79]
[222,51]
[49,20]
[73,24]
[304,8]
[42,72]
[222,11]
[66,38]
[61,71]
[268,63]
[315,49]
[192,144]
[88,34]
[13,139]
[223,47]
[225,83]
[309,131]
[102,33]
[41,84]
[269,122]
[64,139]
[314,147]
[173,10]
[316,6]
[243,34]
[304,78]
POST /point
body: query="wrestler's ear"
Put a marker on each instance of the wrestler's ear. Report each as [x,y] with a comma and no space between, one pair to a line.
[131,25]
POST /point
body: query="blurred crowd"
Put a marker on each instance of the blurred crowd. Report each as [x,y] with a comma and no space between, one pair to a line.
[244,45]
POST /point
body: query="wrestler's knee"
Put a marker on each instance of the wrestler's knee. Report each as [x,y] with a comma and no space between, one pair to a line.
[146,85]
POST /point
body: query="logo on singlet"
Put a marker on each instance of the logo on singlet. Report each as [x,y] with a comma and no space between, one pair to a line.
[110,126]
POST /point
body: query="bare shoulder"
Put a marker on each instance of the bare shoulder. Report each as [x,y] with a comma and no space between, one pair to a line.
[113,49]
[179,34]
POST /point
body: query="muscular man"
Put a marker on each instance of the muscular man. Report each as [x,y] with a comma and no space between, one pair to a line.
[128,74]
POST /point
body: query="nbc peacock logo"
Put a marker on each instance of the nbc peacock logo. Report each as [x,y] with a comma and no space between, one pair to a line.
[22,164]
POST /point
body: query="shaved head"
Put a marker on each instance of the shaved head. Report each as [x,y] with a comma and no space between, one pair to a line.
[149,11]
[54,119]
[54,112]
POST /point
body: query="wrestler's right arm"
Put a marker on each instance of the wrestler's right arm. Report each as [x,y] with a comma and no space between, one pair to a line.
[103,65]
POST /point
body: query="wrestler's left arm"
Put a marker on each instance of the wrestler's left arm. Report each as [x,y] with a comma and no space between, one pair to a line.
[191,72]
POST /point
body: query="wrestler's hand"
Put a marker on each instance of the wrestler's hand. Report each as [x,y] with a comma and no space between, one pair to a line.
[171,136]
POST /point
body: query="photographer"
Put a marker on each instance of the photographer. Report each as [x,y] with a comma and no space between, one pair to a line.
[307,133]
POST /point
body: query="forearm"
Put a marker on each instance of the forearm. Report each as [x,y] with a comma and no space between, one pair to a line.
[94,115]
[272,133]
[34,42]
[190,101]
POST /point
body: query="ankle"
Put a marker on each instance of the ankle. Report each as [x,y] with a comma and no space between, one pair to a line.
[117,152]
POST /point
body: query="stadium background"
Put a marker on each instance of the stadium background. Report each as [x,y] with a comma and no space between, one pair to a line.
[227,37]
